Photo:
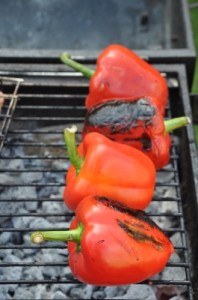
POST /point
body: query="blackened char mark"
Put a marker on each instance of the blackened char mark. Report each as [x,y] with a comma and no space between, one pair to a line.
[138,235]
[145,141]
[120,116]
[117,206]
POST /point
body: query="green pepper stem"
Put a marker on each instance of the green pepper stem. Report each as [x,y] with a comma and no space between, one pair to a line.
[70,140]
[66,59]
[73,235]
[176,123]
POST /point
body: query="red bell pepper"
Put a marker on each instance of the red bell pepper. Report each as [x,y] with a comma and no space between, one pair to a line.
[106,168]
[137,123]
[121,73]
[111,244]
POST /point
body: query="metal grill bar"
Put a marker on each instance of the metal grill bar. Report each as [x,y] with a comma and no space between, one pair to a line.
[45,108]
[73,281]
[58,246]
[63,263]
[67,214]
[170,230]
[60,200]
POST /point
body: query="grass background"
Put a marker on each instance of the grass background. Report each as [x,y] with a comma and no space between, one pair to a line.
[194,18]
[193,7]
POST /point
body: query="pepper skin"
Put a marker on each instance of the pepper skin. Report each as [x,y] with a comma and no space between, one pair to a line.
[107,168]
[111,244]
[121,73]
[135,123]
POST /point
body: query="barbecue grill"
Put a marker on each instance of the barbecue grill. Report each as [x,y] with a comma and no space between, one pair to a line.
[47,96]
[34,163]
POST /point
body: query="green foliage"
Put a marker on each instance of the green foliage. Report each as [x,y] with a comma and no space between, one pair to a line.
[196,134]
[194,20]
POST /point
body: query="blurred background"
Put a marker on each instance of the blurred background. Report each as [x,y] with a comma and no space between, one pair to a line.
[193,5]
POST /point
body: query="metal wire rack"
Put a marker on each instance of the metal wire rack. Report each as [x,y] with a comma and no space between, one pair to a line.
[50,101]
[8,104]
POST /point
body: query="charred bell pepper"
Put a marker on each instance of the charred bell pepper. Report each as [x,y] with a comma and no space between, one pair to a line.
[137,123]
[111,244]
[103,167]
[121,73]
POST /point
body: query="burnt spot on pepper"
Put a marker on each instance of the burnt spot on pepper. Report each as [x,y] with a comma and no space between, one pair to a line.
[145,142]
[138,235]
[101,241]
[138,214]
[121,116]
[126,121]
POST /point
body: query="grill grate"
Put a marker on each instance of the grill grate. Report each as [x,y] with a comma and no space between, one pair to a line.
[33,167]
[7,108]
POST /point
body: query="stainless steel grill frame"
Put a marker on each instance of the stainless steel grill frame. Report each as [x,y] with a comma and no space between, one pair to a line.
[52,95]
